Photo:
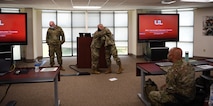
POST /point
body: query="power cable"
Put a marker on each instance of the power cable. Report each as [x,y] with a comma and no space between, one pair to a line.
[12,68]
[5,93]
[77,74]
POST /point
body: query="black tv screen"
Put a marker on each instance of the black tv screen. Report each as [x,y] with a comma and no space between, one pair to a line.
[13,29]
[158,27]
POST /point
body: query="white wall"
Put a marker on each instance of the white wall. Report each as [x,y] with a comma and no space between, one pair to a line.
[132,38]
[135,48]
[34,35]
[37,34]
[203,45]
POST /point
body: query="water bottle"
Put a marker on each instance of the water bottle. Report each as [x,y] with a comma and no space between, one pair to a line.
[36,66]
[187,56]
[211,96]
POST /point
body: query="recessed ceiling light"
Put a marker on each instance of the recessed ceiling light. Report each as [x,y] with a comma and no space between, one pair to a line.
[86,7]
[197,1]
[168,1]
[9,0]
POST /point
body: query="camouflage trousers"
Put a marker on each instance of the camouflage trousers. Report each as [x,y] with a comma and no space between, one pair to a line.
[95,58]
[159,98]
[55,49]
[156,97]
[111,51]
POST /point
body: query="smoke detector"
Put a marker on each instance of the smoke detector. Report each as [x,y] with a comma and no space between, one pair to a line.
[168,1]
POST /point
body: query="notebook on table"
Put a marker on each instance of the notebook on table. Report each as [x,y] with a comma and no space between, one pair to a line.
[152,68]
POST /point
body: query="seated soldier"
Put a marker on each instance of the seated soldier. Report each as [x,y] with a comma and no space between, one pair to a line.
[180,82]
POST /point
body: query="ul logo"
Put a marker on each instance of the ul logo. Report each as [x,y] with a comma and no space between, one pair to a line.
[158,22]
[1,24]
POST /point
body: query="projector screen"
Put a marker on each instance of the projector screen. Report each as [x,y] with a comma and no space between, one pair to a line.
[13,29]
[158,27]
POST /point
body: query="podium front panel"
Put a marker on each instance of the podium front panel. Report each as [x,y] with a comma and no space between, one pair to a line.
[84,53]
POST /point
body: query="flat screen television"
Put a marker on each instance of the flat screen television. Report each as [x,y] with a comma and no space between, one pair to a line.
[13,29]
[158,27]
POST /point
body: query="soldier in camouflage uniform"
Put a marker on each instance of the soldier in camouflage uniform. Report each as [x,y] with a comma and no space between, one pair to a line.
[110,49]
[55,38]
[104,36]
[180,82]
[95,46]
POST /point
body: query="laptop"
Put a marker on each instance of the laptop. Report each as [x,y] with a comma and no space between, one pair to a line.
[195,63]
[205,66]
[85,34]
[163,64]
[4,66]
[209,60]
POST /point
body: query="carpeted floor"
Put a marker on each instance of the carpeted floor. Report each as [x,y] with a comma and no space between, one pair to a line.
[85,90]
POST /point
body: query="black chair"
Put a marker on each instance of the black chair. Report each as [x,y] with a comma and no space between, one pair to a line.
[197,101]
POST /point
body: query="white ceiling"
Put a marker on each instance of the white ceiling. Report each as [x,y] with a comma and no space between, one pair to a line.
[105,4]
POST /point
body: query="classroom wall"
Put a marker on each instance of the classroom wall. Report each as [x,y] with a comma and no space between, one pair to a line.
[132,38]
[135,48]
[34,35]
[202,44]
[34,47]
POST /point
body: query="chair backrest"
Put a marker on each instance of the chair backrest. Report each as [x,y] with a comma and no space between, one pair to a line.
[4,65]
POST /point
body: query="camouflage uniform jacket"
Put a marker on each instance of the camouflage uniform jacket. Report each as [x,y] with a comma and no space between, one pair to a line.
[180,80]
[55,36]
[109,40]
[99,38]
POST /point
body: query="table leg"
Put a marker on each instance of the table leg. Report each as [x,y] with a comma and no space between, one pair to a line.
[57,103]
[141,95]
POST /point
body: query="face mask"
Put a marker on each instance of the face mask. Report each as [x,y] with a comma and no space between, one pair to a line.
[99,29]
[52,27]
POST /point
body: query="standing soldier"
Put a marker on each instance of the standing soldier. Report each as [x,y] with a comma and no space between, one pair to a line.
[104,36]
[55,38]
[110,49]
[95,48]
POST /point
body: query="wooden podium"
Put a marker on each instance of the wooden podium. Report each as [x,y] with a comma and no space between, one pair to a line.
[84,53]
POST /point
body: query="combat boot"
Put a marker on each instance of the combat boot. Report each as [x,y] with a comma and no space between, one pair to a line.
[95,72]
[109,70]
[120,69]
[61,68]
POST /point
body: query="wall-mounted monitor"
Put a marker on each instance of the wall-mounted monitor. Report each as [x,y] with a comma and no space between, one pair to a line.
[158,27]
[13,29]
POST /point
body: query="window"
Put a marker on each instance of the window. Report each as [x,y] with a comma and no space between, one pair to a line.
[73,22]
[186,22]
[121,31]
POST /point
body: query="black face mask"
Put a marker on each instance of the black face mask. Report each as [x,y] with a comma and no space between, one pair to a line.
[99,29]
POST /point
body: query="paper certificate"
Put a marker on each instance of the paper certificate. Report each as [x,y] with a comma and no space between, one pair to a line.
[205,66]
[49,69]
